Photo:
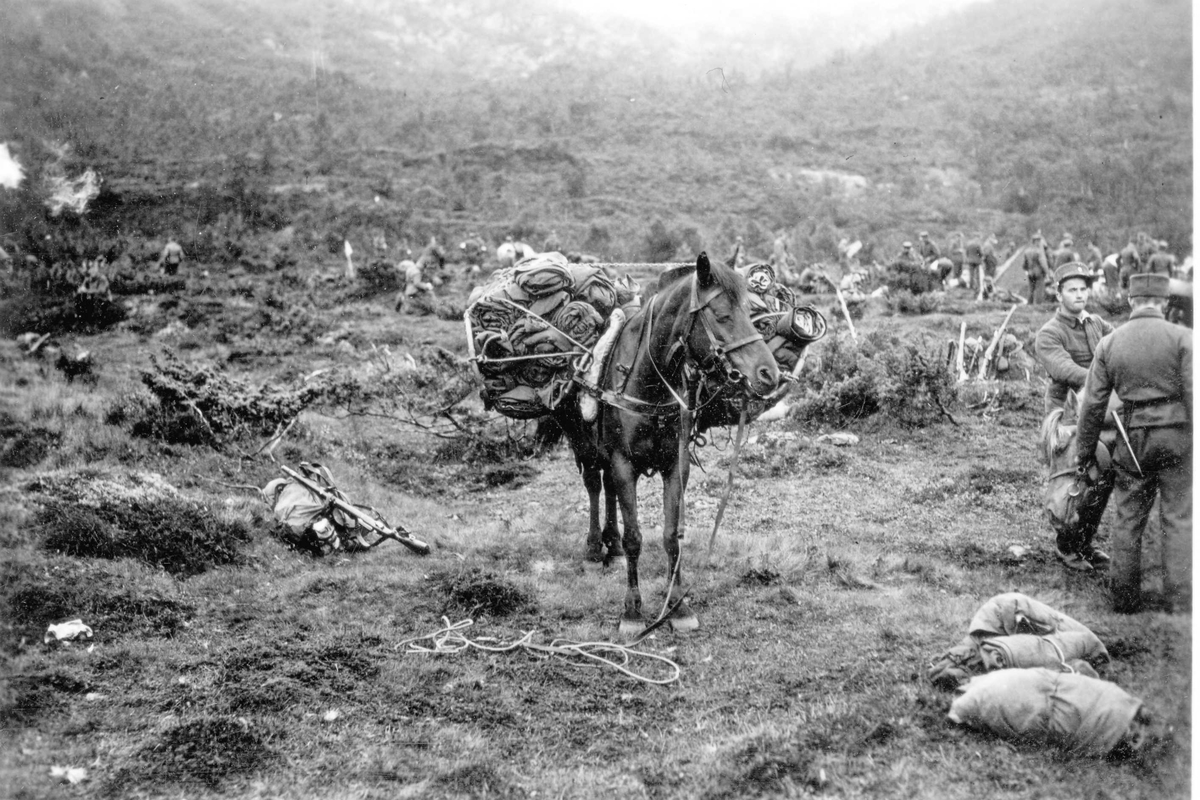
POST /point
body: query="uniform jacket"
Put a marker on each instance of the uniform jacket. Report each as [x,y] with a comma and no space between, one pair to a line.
[1148,363]
[1065,346]
[1162,264]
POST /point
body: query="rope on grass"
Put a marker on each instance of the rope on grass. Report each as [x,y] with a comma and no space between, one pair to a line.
[450,639]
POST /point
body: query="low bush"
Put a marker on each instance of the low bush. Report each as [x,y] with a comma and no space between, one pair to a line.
[856,380]
[176,535]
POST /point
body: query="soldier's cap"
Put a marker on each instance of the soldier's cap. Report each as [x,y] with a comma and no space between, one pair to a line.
[1149,286]
[924,234]
[1075,269]
[907,245]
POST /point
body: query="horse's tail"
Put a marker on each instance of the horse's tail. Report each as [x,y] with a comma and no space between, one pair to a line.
[1048,436]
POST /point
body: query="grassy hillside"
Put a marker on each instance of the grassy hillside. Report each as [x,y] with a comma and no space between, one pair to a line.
[416,119]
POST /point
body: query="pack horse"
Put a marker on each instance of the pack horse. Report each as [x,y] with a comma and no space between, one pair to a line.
[692,337]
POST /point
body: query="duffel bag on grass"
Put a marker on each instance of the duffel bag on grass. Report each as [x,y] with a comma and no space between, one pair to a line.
[1081,715]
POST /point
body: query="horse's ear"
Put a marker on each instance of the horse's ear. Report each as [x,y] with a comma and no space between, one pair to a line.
[703,270]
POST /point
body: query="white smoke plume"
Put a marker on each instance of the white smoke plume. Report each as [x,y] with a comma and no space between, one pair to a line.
[64,192]
[11,171]
[72,193]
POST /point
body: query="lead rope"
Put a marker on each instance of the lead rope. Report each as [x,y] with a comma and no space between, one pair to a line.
[450,639]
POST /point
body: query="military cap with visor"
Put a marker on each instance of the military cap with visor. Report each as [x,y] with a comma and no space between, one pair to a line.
[1075,269]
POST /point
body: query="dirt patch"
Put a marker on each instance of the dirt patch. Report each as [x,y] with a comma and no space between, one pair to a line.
[206,751]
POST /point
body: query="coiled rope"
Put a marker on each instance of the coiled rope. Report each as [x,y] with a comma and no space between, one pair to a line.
[451,639]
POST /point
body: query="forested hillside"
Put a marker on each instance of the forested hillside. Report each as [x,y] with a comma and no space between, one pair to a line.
[413,118]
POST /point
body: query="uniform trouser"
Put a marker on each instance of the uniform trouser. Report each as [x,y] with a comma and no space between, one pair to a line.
[1036,292]
[1165,457]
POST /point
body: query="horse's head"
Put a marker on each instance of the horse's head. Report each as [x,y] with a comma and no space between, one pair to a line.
[720,336]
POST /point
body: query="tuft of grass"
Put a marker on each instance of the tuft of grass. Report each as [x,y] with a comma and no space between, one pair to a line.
[477,592]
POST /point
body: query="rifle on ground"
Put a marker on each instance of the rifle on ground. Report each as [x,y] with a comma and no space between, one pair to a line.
[374,524]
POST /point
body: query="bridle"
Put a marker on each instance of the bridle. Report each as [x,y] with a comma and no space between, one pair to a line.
[714,365]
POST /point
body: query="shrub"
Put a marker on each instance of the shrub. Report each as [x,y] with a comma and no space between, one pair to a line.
[906,381]
[176,535]
[906,302]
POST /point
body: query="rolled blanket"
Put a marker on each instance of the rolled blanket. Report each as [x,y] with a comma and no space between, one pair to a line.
[1051,651]
[543,274]
[803,325]
[521,402]
[1013,612]
[493,345]
[595,288]
[549,305]
[580,321]
[1081,715]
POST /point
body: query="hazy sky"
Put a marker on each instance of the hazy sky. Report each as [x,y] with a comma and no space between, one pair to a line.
[743,13]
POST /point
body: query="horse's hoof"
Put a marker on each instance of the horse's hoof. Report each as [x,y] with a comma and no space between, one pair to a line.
[615,561]
[631,628]
[684,624]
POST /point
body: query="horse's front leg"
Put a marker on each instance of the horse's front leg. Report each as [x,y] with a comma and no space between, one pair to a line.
[674,485]
[610,536]
[592,482]
[624,480]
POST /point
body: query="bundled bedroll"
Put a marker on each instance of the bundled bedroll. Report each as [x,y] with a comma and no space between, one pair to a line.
[534,324]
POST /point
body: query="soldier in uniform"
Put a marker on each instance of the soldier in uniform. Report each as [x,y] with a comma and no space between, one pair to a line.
[1065,346]
[1147,362]
[928,248]
[171,258]
[1161,262]
[1037,269]
[1129,262]
[1065,254]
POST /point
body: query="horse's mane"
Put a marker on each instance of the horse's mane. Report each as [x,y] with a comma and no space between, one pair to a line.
[730,281]
[1048,436]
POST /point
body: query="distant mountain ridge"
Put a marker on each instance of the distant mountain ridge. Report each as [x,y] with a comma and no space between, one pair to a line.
[500,116]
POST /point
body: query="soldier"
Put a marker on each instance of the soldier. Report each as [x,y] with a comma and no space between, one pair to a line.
[908,271]
[1065,346]
[972,258]
[928,249]
[552,243]
[1065,254]
[1037,270]
[1129,262]
[1161,262]
[171,258]
[1147,362]
[417,297]
[1095,258]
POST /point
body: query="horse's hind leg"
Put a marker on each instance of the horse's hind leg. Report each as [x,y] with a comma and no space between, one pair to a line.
[682,617]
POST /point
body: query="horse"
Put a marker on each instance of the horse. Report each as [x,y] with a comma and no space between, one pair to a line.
[1072,505]
[694,331]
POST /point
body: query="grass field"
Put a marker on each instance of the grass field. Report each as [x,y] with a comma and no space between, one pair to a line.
[255,671]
